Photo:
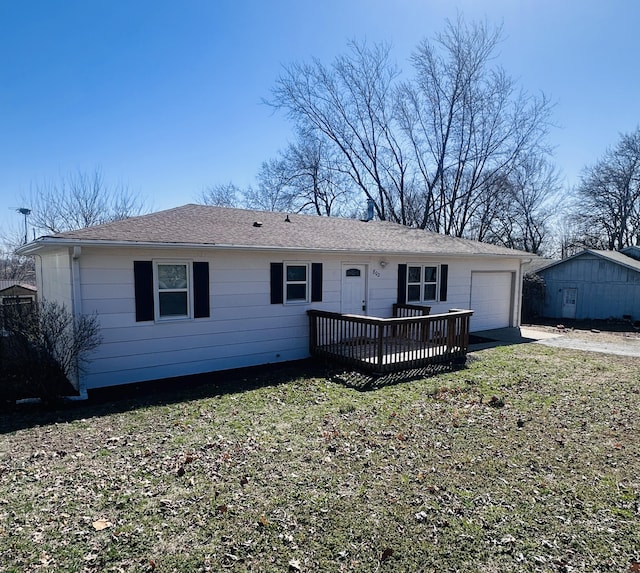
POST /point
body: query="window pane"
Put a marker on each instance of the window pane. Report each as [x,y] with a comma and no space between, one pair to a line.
[414,275]
[297,292]
[172,276]
[296,272]
[430,292]
[413,293]
[353,272]
[430,274]
[173,303]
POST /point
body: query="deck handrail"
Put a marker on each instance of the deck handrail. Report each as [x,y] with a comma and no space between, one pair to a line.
[405,309]
[385,344]
[390,320]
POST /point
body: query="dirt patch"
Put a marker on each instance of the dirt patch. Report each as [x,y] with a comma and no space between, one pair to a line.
[606,331]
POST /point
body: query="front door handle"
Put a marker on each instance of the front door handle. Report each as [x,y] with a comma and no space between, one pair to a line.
[364,306]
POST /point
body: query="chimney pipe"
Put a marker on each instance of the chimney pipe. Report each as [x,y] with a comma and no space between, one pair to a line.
[369,209]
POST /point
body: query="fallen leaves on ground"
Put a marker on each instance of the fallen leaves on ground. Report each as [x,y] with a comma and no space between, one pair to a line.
[309,475]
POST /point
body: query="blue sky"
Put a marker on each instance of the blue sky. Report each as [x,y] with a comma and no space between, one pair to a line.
[165,96]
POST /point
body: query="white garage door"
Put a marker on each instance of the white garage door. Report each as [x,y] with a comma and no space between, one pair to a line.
[490,300]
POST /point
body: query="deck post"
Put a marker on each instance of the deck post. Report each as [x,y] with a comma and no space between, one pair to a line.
[451,334]
[380,353]
[313,333]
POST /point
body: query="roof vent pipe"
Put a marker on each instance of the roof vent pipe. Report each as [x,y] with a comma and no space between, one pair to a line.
[369,209]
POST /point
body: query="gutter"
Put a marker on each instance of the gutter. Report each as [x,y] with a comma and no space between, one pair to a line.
[44,242]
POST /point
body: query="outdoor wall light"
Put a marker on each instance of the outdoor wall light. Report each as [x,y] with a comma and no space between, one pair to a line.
[383,263]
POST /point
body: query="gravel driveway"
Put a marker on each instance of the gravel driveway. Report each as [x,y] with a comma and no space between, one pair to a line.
[622,343]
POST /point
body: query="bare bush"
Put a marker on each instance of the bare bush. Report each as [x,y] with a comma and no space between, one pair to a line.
[44,349]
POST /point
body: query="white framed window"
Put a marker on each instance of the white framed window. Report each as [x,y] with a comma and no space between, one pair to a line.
[296,282]
[172,289]
[422,283]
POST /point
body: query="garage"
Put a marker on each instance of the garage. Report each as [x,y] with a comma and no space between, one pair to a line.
[491,300]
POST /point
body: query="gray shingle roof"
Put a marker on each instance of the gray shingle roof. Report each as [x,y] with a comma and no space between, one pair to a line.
[536,263]
[613,256]
[240,228]
[7,284]
[620,258]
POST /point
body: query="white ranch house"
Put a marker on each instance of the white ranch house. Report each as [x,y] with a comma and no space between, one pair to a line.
[197,289]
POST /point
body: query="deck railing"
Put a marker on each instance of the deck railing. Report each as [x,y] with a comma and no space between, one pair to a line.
[403,310]
[390,344]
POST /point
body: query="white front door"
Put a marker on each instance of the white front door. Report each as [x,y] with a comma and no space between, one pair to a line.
[569,302]
[354,289]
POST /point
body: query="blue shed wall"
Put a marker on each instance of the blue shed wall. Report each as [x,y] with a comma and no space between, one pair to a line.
[604,289]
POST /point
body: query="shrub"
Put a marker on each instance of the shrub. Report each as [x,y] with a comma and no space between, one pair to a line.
[533,293]
[43,350]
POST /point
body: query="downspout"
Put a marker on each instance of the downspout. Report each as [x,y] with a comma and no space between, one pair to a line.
[76,304]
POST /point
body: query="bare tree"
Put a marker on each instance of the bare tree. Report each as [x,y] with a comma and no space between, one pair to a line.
[79,200]
[306,178]
[13,267]
[351,103]
[273,192]
[431,152]
[468,126]
[608,197]
[222,195]
[522,214]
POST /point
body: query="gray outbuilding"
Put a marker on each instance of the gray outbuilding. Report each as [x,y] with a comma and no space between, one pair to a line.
[593,285]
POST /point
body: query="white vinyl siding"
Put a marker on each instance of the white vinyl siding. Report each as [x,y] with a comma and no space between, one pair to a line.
[54,278]
[244,328]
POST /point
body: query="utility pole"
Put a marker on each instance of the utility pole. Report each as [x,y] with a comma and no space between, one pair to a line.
[26,212]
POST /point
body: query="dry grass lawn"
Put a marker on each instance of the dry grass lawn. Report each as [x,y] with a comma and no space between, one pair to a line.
[527,460]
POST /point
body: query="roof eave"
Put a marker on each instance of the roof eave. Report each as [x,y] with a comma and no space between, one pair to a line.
[45,242]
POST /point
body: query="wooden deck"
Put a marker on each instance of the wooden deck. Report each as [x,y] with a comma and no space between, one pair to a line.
[411,339]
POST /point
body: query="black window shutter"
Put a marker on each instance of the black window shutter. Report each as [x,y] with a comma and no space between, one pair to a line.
[277,278]
[444,279]
[316,282]
[143,288]
[402,284]
[201,290]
